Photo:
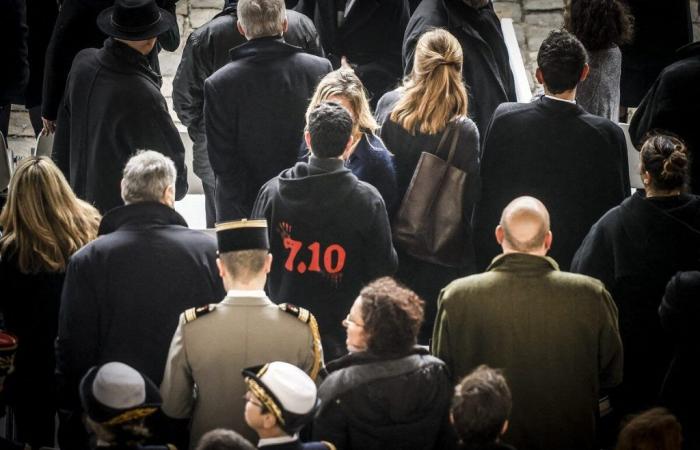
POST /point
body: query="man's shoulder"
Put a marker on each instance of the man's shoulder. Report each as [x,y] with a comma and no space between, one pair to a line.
[514,112]
[219,25]
[428,14]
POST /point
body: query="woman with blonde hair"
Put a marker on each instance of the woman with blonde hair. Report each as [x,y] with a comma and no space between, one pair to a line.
[431,101]
[43,224]
[368,159]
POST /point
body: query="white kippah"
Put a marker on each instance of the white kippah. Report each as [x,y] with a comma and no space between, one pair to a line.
[291,385]
[119,386]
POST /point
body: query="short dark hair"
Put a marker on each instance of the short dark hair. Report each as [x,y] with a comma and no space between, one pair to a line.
[221,439]
[244,265]
[561,59]
[655,429]
[599,24]
[665,157]
[392,316]
[330,127]
[480,406]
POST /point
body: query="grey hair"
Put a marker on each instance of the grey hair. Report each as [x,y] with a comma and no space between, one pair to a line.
[146,176]
[260,18]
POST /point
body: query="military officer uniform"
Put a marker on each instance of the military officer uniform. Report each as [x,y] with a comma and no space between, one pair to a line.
[212,344]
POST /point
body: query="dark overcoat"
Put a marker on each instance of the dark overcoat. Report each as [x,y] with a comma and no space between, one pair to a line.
[41,17]
[673,104]
[635,249]
[113,108]
[124,292]
[370,38]
[486,69]
[574,162]
[15,72]
[254,110]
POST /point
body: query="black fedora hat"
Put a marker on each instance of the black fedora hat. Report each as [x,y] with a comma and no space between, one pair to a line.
[135,20]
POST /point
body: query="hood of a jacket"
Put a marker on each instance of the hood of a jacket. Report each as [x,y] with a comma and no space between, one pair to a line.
[317,191]
[140,215]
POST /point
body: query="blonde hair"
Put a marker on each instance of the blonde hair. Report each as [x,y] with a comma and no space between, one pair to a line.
[434,93]
[345,83]
[43,222]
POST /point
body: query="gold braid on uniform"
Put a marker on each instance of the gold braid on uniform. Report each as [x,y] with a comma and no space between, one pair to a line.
[263,396]
[305,316]
[329,445]
[129,416]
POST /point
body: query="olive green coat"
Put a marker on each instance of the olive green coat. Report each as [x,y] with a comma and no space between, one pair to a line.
[554,334]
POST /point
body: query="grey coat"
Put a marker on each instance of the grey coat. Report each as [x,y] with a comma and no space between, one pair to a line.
[599,94]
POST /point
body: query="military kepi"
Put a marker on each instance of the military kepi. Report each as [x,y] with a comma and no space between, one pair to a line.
[242,235]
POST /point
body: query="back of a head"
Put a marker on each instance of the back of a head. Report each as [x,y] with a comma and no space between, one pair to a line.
[434,93]
[665,157]
[43,221]
[261,18]
[480,407]
[525,224]
[146,176]
[330,126]
[221,439]
[561,59]
[244,265]
[656,429]
[599,24]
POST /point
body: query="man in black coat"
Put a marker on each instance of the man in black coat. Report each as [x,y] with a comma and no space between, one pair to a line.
[673,104]
[254,107]
[366,33]
[113,106]
[15,72]
[576,163]
[206,51]
[486,68]
[329,231]
[124,292]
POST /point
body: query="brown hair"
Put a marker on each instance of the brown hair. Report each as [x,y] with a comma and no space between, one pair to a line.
[599,24]
[43,222]
[244,265]
[665,157]
[392,316]
[656,429]
[434,93]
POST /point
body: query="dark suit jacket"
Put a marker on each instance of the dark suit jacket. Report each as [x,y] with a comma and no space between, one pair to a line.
[572,161]
[254,118]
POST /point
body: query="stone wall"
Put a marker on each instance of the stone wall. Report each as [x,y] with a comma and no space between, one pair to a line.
[533,19]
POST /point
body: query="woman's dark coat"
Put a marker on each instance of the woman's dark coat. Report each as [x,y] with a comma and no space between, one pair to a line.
[370,39]
[486,69]
[680,313]
[635,249]
[113,108]
[372,403]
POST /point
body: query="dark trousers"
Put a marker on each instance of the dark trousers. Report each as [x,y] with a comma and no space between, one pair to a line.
[209,204]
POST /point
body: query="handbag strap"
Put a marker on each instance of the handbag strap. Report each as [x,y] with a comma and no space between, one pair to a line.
[451,126]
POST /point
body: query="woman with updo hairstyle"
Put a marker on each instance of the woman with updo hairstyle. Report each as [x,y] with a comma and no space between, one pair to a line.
[368,159]
[601,26]
[635,249]
[414,118]
[43,223]
[387,392]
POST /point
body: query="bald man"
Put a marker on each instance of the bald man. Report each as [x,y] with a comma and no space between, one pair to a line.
[553,333]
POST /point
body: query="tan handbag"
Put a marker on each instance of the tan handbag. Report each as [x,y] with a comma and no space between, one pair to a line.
[430,223]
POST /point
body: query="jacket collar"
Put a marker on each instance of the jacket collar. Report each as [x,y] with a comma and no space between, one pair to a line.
[271,47]
[252,300]
[326,164]
[688,51]
[352,359]
[560,106]
[119,57]
[522,262]
[140,215]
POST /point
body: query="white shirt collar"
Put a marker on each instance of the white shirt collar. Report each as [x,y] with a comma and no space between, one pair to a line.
[278,440]
[560,99]
[252,293]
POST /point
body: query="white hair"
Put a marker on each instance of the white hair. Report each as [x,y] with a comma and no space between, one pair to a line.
[260,18]
[146,177]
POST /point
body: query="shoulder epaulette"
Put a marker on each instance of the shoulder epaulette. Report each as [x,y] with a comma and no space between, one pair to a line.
[305,316]
[194,313]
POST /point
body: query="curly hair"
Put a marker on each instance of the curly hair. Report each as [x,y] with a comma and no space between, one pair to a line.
[599,24]
[392,316]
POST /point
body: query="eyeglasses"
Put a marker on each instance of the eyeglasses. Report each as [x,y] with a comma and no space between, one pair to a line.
[349,320]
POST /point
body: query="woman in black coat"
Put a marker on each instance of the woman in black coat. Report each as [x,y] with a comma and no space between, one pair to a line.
[414,118]
[386,393]
[43,224]
[635,249]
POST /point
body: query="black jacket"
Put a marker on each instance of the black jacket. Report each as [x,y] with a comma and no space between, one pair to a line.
[75,30]
[113,107]
[572,161]
[486,68]
[15,72]
[634,250]
[206,51]
[370,38]
[124,293]
[680,312]
[254,110]
[329,235]
[368,403]
[673,104]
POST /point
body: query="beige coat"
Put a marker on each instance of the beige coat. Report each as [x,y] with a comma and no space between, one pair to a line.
[212,345]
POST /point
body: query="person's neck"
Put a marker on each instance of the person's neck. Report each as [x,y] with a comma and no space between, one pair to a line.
[257,284]
[136,45]
[651,193]
[275,432]
[539,252]
[569,96]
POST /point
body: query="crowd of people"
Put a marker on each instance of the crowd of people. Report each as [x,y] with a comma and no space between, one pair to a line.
[400,256]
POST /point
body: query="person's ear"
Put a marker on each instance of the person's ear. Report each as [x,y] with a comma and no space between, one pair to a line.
[307,139]
[168,197]
[240,28]
[285,25]
[504,428]
[348,146]
[220,266]
[269,420]
[584,73]
[268,263]
[538,76]
[500,234]
[548,240]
